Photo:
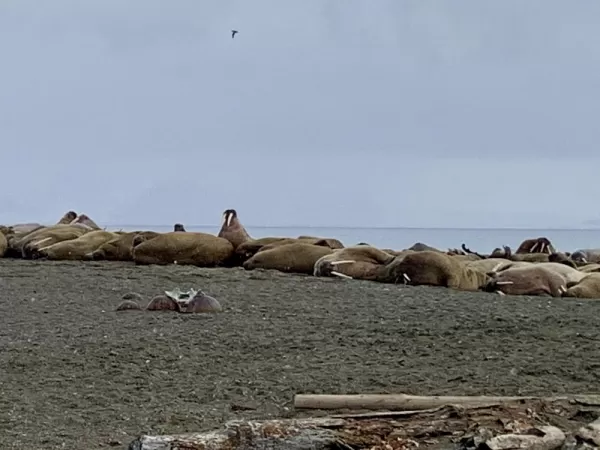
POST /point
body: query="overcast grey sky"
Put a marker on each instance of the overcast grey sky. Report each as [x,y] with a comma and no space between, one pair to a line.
[323,112]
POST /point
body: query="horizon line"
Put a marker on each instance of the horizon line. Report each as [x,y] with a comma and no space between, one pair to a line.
[334,227]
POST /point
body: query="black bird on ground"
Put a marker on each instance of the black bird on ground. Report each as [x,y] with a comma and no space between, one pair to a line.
[233,32]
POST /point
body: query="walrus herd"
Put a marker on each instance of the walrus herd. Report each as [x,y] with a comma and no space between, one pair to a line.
[535,268]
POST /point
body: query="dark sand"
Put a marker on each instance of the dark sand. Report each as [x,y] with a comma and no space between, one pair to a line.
[76,374]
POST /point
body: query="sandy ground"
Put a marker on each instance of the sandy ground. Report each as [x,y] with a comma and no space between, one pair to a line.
[76,374]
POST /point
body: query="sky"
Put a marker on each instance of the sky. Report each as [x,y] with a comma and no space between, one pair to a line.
[379,113]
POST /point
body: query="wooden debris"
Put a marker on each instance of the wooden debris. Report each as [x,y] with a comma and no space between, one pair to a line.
[532,424]
[400,402]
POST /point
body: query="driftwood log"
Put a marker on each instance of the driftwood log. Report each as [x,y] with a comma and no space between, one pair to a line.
[403,402]
[532,424]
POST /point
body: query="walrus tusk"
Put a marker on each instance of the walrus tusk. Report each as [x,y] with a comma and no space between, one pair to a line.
[501,283]
[497,266]
[584,260]
[341,275]
[562,289]
[42,241]
[346,261]
[406,278]
[500,293]
[229,219]
[533,247]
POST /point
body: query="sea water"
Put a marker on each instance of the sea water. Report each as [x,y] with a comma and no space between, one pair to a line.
[482,240]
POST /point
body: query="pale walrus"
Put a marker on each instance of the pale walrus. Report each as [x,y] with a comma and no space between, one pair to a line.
[185,248]
[293,258]
[433,268]
[76,249]
[3,244]
[48,236]
[232,229]
[588,287]
[361,262]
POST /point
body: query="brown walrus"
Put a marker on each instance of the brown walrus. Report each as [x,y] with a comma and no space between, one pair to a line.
[361,262]
[185,248]
[232,229]
[433,268]
[298,257]
[76,249]
[528,280]
[119,248]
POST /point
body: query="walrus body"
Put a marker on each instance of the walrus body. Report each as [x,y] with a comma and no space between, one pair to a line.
[119,248]
[33,242]
[295,258]
[361,262]
[433,268]
[76,249]
[185,248]
[588,287]
[532,280]
[3,244]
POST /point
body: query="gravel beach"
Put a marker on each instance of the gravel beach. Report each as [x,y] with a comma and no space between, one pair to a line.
[75,374]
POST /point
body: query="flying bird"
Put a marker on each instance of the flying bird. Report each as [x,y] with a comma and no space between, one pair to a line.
[233,33]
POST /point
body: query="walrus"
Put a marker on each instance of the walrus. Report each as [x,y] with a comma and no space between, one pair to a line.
[185,248]
[232,229]
[588,287]
[536,245]
[249,248]
[563,258]
[433,268]
[298,257]
[586,256]
[178,227]
[359,262]
[490,264]
[67,218]
[420,247]
[84,220]
[507,253]
[589,268]
[31,243]
[76,249]
[3,244]
[531,280]
[119,248]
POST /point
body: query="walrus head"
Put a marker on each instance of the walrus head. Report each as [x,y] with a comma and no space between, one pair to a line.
[230,219]
[178,227]
[542,245]
[85,221]
[68,217]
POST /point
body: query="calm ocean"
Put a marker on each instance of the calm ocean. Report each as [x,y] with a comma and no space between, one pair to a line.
[481,240]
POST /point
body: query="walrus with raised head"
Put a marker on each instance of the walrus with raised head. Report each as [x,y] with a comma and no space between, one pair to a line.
[528,280]
[536,245]
[178,227]
[433,268]
[298,257]
[232,229]
[185,248]
[361,262]
[76,249]
[84,220]
[119,248]
[507,253]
